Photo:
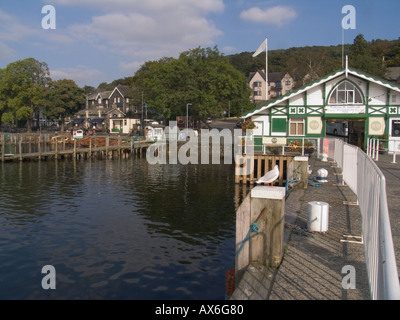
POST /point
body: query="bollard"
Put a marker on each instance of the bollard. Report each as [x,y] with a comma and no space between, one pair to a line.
[264,206]
[301,164]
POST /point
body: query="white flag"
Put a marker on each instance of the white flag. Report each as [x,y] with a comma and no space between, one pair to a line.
[262,48]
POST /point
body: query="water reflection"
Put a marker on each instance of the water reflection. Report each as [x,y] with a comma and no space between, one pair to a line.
[119,229]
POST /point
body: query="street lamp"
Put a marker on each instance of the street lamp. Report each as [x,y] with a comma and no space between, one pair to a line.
[187,115]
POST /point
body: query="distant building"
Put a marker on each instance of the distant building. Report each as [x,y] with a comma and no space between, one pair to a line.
[279,84]
[121,96]
[108,110]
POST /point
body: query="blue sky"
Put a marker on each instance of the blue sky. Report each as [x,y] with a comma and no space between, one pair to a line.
[102,40]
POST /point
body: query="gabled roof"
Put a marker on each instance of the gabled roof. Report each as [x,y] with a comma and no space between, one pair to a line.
[318,82]
[272,76]
[252,74]
[276,76]
[123,90]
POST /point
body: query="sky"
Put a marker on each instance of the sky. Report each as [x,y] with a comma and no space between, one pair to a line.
[97,41]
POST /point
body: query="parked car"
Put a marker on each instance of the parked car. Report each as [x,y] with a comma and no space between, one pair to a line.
[209,121]
[239,123]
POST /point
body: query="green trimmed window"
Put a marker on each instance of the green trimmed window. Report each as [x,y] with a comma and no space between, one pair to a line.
[297,126]
[346,93]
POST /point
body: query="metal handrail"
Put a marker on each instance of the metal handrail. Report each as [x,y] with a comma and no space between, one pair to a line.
[370,188]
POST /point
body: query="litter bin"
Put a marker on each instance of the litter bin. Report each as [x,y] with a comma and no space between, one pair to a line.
[318,216]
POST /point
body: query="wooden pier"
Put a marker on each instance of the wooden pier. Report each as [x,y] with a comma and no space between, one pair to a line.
[42,147]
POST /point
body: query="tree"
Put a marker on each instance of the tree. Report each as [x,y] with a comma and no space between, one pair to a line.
[7,118]
[62,98]
[363,60]
[202,77]
[21,88]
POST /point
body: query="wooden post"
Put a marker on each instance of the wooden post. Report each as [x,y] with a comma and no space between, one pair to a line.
[20,147]
[119,147]
[107,145]
[3,147]
[56,147]
[268,210]
[264,206]
[39,151]
[74,148]
[90,147]
[301,165]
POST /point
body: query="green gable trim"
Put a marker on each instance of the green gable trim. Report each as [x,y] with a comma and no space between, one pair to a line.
[323,81]
[279,110]
[293,93]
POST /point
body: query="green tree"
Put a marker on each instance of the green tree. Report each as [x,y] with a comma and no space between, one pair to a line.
[202,77]
[61,99]
[21,88]
[363,60]
[7,118]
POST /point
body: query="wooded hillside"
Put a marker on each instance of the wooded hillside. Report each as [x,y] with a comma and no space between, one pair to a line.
[371,57]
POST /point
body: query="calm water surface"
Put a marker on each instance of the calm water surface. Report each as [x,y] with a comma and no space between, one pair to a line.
[116,229]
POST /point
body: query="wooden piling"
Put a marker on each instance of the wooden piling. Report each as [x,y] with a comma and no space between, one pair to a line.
[3,147]
[264,207]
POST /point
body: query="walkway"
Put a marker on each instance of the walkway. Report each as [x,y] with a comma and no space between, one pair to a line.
[392,175]
[312,265]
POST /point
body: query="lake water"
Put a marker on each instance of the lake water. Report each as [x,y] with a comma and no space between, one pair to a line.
[116,229]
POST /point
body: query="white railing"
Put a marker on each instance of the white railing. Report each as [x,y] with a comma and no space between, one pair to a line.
[369,184]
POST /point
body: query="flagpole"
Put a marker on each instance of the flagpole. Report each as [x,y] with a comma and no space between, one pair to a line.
[266,66]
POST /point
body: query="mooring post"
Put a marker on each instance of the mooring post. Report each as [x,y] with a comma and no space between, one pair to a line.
[20,147]
[300,164]
[39,151]
[263,208]
[268,211]
[3,147]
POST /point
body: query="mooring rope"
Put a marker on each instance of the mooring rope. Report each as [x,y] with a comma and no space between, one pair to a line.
[253,228]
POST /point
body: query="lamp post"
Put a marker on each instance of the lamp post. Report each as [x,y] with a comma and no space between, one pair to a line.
[187,115]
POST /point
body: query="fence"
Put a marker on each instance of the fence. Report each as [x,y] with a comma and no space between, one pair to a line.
[367,181]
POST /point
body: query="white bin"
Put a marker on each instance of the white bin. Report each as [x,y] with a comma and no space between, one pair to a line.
[318,216]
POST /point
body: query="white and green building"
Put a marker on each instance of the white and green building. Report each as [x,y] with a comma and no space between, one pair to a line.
[368,105]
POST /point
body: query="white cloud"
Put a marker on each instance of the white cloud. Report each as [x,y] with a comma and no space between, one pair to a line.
[82,75]
[279,15]
[131,67]
[228,49]
[12,30]
[146,6]
[148,30]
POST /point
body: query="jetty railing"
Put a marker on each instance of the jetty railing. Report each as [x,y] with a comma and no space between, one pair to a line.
[369,184]
[31,146]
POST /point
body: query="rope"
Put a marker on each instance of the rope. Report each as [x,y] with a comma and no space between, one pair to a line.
[253,228]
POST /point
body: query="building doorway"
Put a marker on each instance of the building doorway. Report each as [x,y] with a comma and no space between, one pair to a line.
[351,131]
[357,133]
